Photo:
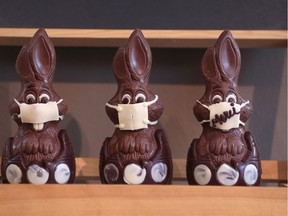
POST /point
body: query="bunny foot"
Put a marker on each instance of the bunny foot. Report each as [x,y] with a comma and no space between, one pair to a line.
[134,174]
[226,175]
[159,172]
[111,173]
[13,174]
[250,174]
[62,173]
[37,175]
[202,174]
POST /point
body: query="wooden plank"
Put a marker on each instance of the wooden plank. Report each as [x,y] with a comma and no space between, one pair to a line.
[156,38]
[274,170]
[141,200]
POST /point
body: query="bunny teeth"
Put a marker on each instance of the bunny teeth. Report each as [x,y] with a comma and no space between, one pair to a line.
[38,126]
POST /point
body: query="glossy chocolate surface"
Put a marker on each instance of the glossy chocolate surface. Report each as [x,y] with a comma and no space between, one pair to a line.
[219,144]
[145,150]
[37,150]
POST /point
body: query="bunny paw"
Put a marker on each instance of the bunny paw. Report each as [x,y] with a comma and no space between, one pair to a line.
[111,173]
[159,172]
[13,174]
[37,175]
[202,174]
[62,173]
[226,175]
[250,174]
[134,174]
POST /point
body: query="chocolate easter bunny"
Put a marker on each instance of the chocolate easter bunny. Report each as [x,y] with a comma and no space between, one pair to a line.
[40,152]
[225,153]
[137,152]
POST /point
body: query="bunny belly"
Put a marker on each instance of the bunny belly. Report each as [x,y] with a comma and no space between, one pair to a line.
[117,165]
[36,147]
[132,145]
[222,147]
[38,167]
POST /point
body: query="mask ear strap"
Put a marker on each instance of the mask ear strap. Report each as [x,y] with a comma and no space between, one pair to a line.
[244,104]
[203,105]
[118,108]
[204,121]
[120,126]
[152,101]
[147,121]
[59,101]
[17,102]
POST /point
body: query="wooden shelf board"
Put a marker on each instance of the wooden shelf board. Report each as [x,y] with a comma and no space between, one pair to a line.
[139,200]
[156,38]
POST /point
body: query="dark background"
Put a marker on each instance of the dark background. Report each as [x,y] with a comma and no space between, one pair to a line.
[150,14]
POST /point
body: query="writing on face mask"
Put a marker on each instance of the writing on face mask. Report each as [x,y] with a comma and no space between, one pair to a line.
[133,116]
[39,112]
[224,115]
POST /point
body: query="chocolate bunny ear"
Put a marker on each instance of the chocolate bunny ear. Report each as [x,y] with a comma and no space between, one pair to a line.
[222,62]
[133,61]
[37,59]
[228,56]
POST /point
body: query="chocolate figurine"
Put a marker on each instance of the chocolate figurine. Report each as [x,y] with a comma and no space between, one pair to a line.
[225,153]
[137,152]
[40,152]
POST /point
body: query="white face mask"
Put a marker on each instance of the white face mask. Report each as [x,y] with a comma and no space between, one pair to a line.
[39,113]
[224,115]
[133,116]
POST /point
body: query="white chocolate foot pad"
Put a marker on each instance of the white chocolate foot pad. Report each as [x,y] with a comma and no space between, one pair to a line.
[134,174]
[226,175]
[62,173]
[111,173]
[37,175]
[159,172]
[202,174]
[13,174]
[250,174]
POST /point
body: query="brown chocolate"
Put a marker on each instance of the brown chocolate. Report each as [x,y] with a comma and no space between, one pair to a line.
[137,152]
[226,153]
[40,152]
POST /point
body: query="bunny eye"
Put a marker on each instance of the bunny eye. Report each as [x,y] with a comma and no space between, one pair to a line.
[231,98]
[216,99]
[44,98]
[140,98]
[30,98]
[126,99]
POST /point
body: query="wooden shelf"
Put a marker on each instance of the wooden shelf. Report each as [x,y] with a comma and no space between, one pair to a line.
[97,199]
[156,38]
[141,200]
